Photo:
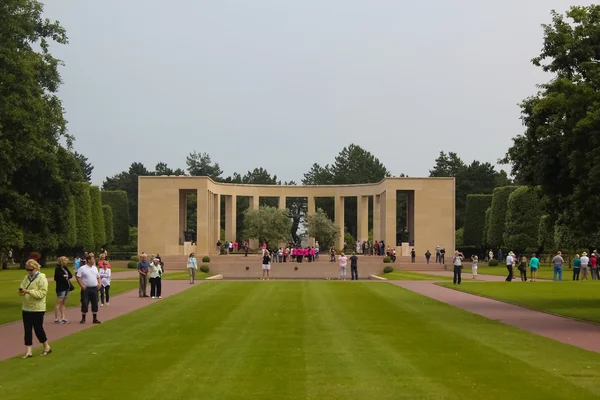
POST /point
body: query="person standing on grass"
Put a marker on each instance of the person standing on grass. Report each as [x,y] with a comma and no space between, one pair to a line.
[457,262]
[523,269]
[34,288]
[266,264]
[558,262]
[192,266]
[156,279]
[89,281]
[475,262]
[342,263]
[594,265]
[143,268]
[62,277]
[354,267]
[577,266]
[534,264]
[510,261]
[585,266]
[104,271]
[76,263]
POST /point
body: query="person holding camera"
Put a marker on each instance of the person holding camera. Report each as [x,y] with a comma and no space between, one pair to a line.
[34,288]
[457,261]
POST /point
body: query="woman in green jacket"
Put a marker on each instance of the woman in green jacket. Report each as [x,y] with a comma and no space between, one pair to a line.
[34,289]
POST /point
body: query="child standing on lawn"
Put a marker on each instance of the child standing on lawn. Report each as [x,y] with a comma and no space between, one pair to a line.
[474,266]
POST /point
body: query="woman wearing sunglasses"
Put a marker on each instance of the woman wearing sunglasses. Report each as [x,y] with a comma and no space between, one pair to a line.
[34,288]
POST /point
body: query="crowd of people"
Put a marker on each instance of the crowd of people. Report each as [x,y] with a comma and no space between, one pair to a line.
[93,279]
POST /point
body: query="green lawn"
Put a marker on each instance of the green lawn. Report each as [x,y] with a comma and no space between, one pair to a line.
[413,276]
[10,301]
[306,340]
[573,299]
[543,273]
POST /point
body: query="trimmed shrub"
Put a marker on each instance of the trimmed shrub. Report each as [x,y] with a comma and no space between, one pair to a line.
[523,214]
[459,237]
[477,204]
[387,269]
[135,258]
[205,269]
[97,217]
[83,212]
[387,260]
[493,263]
[485,240]
[132,264]
[498,215]
[117,200]
[68,236]
[108,223]
[206,259]
[546,233]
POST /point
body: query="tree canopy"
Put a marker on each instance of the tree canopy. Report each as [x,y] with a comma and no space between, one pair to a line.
[268,224]
[200,164]
[562,121]
[474,178]
[322,229]
[523,213]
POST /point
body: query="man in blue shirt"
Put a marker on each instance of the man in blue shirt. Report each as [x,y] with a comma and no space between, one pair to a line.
[143,268]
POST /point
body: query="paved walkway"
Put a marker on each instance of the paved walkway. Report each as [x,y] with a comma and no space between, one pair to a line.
[12,334]
[576,333]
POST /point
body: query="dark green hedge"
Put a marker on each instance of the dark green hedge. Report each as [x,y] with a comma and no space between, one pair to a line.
[83,211]
[108,223]
[68,236]
[117,200]
[546,233]
[498,215]
[477,204]
[486,227]
[523,213]
[97,218]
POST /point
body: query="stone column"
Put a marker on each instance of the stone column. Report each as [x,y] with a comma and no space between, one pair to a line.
[216,221]
[282,201]
[311,211]
[390,218]
[202,245]
[377,217]
[254,205]
[339,221]
[362,215]
[230,217]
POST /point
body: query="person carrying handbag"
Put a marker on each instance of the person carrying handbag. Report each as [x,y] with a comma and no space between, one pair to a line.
[62,277]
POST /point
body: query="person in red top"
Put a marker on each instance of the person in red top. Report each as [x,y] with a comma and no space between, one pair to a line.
[594,266]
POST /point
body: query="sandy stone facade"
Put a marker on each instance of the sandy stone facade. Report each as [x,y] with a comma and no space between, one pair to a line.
[162,211]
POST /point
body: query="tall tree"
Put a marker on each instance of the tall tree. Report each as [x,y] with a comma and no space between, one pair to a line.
[128,182]
[268,224]
[33,189]
[353,165]
[86,167]
[324,230]
[562,121]
[98,224]
[474,178]
[200,164]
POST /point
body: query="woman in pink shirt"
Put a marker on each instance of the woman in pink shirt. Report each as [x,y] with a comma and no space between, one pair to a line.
[594,266]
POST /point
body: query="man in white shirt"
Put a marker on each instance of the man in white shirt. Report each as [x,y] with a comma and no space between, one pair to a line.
[457,262]
[88,279]
[510,262]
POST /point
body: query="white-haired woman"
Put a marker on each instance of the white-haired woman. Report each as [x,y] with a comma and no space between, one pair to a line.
[62,277]
[34,288]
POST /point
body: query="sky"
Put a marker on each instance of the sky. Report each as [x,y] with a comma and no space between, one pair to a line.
[285,84]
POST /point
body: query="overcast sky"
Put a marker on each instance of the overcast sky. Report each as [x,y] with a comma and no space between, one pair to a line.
[284,84]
